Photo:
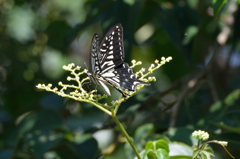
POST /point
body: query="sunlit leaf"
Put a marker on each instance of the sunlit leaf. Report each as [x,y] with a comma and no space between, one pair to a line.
[195,153]
[149,145]
[162,154]
[177,148]
[204,156]
[162,144]
[130,2]
[146,153]
[209,151]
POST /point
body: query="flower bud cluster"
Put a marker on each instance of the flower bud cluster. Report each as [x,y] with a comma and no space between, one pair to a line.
[78,93]
[200,135]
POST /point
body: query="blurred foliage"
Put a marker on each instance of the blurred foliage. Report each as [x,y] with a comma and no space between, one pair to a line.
[199,89]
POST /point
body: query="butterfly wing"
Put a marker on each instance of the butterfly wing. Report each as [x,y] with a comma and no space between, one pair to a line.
[107,63]
[122,78]
[111,53]
[94,63]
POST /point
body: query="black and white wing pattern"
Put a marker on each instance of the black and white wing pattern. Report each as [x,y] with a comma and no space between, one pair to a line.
[107,65]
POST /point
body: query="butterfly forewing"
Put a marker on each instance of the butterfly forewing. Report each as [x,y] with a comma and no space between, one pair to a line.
[95,65]
[111,53]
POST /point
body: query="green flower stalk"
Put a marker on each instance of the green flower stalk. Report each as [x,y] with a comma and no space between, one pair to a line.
[79,94]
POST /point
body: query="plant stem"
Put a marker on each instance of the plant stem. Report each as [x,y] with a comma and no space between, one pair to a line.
[126,135]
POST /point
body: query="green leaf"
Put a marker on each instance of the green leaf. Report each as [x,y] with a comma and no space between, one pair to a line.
[178,148]
[209,151]
[151,155]
[162,144]
[146,152]
[238,2]
[130,2]
[195,147]
[149,145]
[162,154]
[203,156]
[195,153]
[217,6]
[204,146]
[232,97]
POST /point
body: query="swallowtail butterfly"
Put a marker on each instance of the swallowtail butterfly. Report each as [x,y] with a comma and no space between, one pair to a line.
[107,65]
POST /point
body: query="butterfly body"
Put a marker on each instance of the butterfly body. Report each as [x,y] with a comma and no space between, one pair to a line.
[107,66]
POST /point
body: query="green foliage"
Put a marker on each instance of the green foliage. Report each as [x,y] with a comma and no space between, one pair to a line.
[198,90]
[217,6]
[156,149]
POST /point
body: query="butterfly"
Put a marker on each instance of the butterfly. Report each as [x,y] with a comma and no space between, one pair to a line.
[107,66]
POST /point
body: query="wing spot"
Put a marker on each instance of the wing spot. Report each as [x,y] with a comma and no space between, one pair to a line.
[106,38]
[104,44]
[111,47]
[103,50]
[110,57]
[110,52]
[111,42]
[116,79]
[113,33]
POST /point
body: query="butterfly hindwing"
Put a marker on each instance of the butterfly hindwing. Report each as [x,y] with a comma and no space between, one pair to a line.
[123,77]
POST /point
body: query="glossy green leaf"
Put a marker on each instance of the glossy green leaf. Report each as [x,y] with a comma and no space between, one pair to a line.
[178,148]
[217,6]
[149,145]
[238,2]
[203,156]
[195,153]
[162,144]
[151,155]
[209,151]
[146,152]
[162,154]
[204,146]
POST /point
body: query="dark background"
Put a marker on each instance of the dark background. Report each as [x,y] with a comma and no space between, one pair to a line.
[198,89]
